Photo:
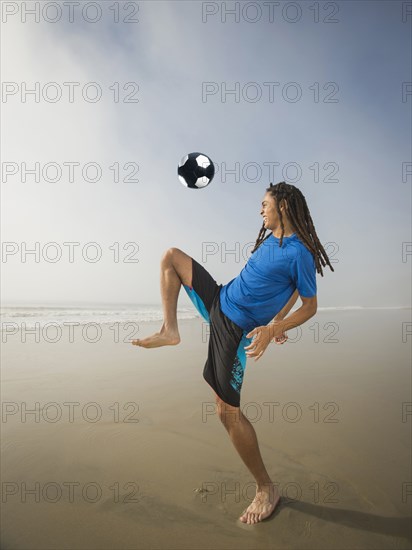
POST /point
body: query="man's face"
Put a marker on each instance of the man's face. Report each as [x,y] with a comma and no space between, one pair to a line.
[269,212]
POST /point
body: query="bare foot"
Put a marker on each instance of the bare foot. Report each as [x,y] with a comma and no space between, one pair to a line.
[262,506]
[158,339]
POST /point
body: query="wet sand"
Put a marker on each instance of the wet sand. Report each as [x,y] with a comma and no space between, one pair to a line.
[141,460]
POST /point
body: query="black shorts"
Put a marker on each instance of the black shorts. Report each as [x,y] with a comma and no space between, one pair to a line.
[226,360]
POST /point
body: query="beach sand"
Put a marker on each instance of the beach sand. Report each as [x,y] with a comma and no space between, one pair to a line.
[143,461]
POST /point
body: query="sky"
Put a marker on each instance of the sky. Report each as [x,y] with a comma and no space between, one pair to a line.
[270,93]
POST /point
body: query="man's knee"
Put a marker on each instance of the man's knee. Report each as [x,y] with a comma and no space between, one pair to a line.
[181,262]
[170,254]
[227,413]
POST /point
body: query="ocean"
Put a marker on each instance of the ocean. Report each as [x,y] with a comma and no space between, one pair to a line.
[101,314]
[29,317]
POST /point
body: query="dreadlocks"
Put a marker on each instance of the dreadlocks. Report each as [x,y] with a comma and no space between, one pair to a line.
[300,218]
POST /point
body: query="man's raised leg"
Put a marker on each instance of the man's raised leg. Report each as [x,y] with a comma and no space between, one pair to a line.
[175,270]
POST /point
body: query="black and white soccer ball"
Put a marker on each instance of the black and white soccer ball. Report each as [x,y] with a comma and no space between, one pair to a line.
[196,170]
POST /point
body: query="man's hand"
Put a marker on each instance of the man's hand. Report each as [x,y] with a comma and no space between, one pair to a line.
[281,340]
[262,336]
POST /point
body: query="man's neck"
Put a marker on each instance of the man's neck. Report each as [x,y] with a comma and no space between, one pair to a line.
[278,233]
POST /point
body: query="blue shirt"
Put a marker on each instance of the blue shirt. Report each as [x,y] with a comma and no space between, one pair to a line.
[268,280]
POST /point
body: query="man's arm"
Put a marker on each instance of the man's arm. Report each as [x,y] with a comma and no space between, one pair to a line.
[285,310]
[277,327]
[306,311]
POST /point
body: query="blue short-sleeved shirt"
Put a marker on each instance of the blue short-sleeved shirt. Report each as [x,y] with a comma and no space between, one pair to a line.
[268,280]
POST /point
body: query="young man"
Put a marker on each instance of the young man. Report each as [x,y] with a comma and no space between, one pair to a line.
[255,304]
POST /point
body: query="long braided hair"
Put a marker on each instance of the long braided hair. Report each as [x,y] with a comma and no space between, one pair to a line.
[299,215]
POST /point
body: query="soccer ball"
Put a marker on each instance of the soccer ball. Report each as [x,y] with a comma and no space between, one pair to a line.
[196,170]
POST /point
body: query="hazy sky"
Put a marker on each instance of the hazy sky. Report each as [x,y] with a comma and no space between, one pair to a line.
[319,105]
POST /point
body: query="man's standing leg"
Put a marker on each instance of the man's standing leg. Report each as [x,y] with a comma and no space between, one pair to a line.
[243,437]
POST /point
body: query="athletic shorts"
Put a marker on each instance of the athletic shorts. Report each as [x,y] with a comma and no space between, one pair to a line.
[226,360]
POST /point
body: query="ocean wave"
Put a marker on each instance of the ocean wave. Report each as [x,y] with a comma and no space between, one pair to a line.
[40,316]
[32,317]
